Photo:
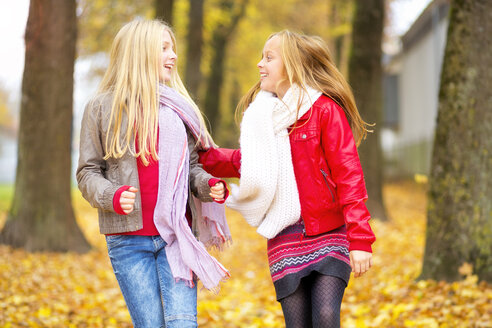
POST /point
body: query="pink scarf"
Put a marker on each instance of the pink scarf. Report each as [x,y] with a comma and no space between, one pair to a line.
[185,254]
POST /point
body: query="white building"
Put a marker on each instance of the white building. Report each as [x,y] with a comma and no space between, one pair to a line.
[411,88]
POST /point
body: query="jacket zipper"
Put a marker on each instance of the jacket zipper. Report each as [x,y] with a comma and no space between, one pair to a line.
[327,184]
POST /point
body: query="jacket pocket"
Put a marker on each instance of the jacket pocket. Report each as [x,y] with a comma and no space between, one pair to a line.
[325,177]
[113,241]
[305,135]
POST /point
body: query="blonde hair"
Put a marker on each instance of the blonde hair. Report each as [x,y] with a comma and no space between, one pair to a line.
[307,62]
[132,78]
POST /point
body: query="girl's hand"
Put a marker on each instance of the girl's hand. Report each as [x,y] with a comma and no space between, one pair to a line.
[217,191]
[127,200]
[360,261]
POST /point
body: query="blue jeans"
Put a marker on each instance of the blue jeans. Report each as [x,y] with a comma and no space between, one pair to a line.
[153,297]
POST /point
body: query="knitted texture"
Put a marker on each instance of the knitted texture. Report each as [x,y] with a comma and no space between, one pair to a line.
[267,196]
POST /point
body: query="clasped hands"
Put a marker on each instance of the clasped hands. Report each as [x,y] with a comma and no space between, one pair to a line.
[127,198]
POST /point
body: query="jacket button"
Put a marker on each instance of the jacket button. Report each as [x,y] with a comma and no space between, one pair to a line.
[304,136]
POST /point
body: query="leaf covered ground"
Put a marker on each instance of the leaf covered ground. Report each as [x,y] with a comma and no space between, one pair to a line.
[72,290]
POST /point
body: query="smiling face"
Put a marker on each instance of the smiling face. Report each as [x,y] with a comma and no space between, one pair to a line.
[168,58]
[272,69]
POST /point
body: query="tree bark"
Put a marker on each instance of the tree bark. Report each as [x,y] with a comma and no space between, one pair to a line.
[164,10]
[340,13]
[194,50]
[41,217]
[220,39]
[459,216]
[365,76]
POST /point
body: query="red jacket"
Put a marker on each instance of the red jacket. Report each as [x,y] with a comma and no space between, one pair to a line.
[328,173]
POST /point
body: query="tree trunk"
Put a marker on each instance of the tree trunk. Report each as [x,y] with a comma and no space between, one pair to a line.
[194,50]
[340,14]
[365,76]
[41,217]
[164,10]
[220,39]
[459,217]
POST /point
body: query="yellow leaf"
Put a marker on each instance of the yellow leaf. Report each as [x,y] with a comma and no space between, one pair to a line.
[44,312]
[17,299]
[421,178]
[399,309]
[362,309]
[360,323]
[465,269]
[80,289]
[422,284]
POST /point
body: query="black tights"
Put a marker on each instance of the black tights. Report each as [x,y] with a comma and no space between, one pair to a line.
[315,303]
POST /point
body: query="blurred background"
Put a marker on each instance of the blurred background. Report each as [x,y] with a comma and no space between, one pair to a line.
[414,39]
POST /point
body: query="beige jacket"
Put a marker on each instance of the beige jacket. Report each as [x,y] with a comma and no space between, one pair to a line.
[99,179]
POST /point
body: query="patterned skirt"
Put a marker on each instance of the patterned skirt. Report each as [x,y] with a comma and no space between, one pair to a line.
[292,256]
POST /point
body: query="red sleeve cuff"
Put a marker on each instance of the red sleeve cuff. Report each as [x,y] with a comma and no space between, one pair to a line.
[357,245]
[236,161]
[116,200]
[212,182]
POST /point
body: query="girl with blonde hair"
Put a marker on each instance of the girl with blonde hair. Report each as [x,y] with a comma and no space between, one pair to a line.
[139,167]
[301,182]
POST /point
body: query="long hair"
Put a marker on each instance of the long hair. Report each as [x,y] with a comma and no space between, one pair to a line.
[132,78]
[307,62]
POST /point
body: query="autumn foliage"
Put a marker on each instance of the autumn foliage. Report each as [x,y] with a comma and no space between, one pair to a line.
[71,290]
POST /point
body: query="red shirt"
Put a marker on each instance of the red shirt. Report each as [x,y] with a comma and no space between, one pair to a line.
[148,178]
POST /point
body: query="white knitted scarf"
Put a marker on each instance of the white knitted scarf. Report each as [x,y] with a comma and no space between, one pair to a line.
[267,196]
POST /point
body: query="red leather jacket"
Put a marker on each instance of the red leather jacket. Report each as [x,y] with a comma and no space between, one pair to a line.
[328,173]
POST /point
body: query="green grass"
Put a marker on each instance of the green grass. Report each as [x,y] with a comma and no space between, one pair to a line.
[6,195]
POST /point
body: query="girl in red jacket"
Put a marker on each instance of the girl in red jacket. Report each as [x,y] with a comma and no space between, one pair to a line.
[301,182]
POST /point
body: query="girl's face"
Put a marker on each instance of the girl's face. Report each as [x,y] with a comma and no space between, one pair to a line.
[272,69]
[168,58]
